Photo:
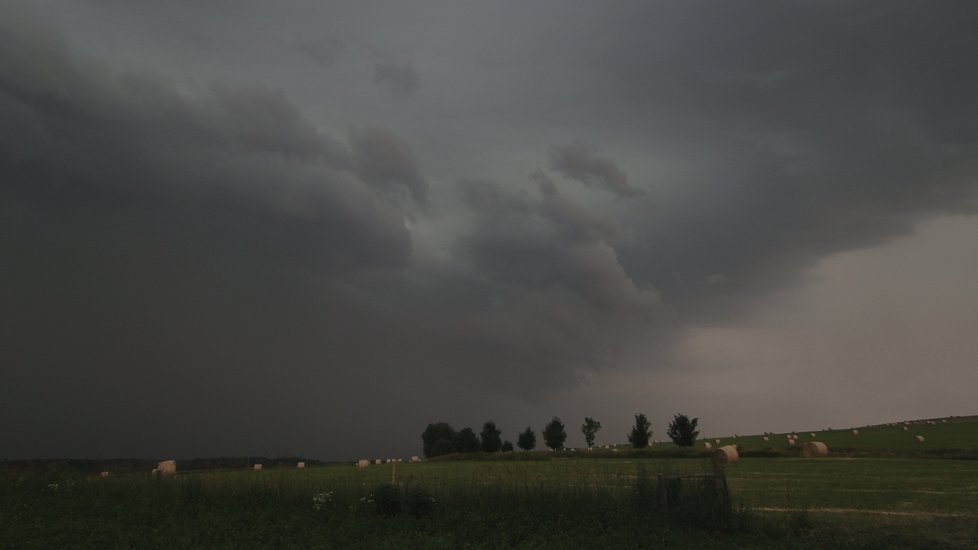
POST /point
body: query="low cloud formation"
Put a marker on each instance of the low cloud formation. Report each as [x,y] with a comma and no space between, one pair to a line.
[193,240]
[578,161]
[398,76]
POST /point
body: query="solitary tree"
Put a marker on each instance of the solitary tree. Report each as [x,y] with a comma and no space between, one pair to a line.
[507,447]
[438,439]
[641,432]
[467,441]
[554,434]
[683,431]
[590,429]
[490,438]
[527,440]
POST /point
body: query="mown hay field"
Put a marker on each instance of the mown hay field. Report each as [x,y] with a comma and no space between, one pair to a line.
[820,502]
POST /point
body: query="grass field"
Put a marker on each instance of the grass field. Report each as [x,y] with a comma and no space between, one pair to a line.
[562,501]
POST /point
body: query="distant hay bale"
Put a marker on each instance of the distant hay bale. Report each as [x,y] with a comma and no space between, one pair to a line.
[155,472]
[363,463]
[615,450]
[766,438]
[707,445]
[855,432]
[919,438]
[726,455]
[301,465]
[943,420]
[168,468]
[416,459]
[717,441]
[815,449]
[256,467]
[812,434]
[104,474]
[906,428]
[792,442]
[378,461]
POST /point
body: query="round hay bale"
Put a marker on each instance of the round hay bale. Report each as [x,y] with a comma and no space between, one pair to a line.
[792,442]
[812,434]
[906,428]
[726,455]
[855,432]
[717,441]
[919,438]
[363,463]
[104,474]
[256,467]
[815,449]
[167,468]
[301,465]
[707,445]
[766,438]
[155,472]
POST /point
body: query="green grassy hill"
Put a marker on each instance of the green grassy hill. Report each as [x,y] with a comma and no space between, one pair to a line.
[940,434]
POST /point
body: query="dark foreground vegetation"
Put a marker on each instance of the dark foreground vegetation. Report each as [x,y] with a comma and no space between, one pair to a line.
[560,504]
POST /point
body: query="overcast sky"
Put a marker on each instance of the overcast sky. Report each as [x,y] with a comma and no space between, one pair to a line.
[257,227]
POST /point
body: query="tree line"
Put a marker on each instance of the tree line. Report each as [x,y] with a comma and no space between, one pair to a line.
[441,438]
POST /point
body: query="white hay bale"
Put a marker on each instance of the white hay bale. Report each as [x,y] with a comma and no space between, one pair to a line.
[363,463]
[919,438]
[416,459]
[104,474]
[155,472]
[615,450]
[717,441]
[855,432]
[943,420]
[301,465]
[815,449]
[378,461]
[811,434]
[707,445]
[168,468]
[256,467]
[726,455]
[766,438]
[792,442]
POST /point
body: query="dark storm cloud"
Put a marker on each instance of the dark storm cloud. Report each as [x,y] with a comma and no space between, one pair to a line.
[207,264]
[579,161]
[386,161]
[212,258]
[806,129]
[543,243]
[398,76]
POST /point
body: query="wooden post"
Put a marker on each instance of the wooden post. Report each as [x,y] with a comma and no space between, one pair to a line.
[393,472]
